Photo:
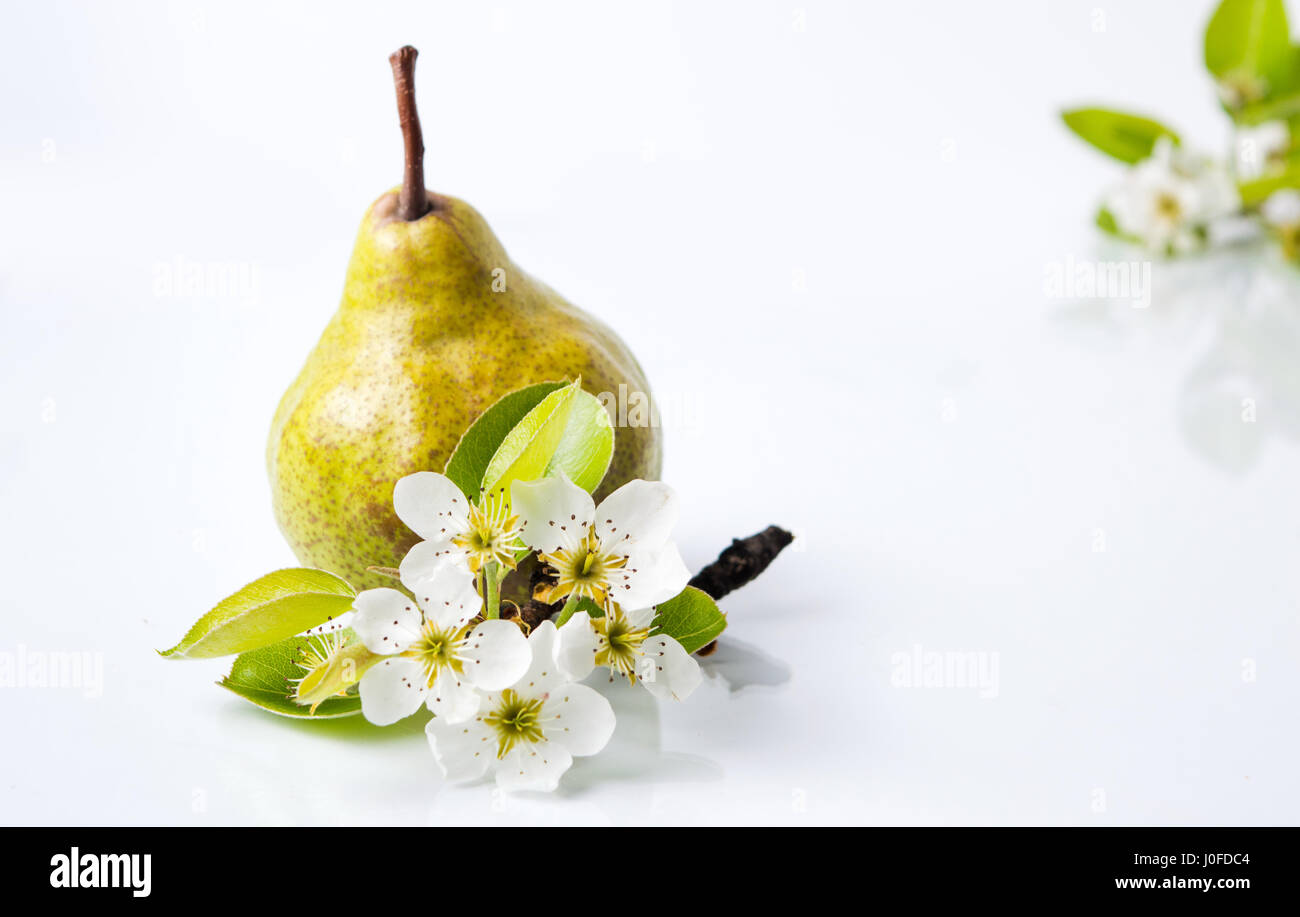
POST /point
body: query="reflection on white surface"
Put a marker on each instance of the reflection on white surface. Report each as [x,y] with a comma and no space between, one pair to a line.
[631,765]
[636,754]
[1245,389]
[741,665]
[635,759]
[1238,312]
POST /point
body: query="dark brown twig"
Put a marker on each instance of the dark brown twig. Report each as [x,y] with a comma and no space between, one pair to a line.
[745,559]
[739,564]
[413,199]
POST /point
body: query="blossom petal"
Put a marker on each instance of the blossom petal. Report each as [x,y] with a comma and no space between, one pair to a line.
[1282,208]
[638,513]
[423,560]
[496,654]
[533,766]
[640,618]
[650,578]
[553,513]
[452,698]
[575,648]
[544,671]
[578,718]
[448,597]
[386,620]
[671,672]
[464,751]
[392,690]
[430,505]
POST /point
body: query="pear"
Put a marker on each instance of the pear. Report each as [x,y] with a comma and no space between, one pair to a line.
[436,323]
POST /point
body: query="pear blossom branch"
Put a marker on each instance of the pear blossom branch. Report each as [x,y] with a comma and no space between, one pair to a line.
[738,564]
[742,562]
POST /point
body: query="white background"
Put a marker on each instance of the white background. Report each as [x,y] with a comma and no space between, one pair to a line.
[825,230]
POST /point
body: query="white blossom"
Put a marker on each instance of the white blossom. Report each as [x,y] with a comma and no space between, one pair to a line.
[617,552]
[1282,209]
[1260,148]
[452,528]
[528,733]
[1169,201]
[621,642]
[437,655]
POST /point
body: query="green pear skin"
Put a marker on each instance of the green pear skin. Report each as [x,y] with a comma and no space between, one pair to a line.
[421,345]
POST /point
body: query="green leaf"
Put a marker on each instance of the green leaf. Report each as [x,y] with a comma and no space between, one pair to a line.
[1278,107]
[589,606]
[691,618]
[1248,47]
[523,425]
[1129,138]
[266,677]
[587,446]
[1107,224]
[1106,221]
[526,451]
[480,442]
[267,610]
[1254,193]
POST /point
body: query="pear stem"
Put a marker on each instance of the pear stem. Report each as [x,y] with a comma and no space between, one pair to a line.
[492,576]
[567,611]
[413,200]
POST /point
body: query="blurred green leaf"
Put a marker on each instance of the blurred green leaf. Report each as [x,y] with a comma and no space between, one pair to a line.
[1129,138]
[1253,193]
[1107,224]
[1285,107]
[1248,49]
[1106,221]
